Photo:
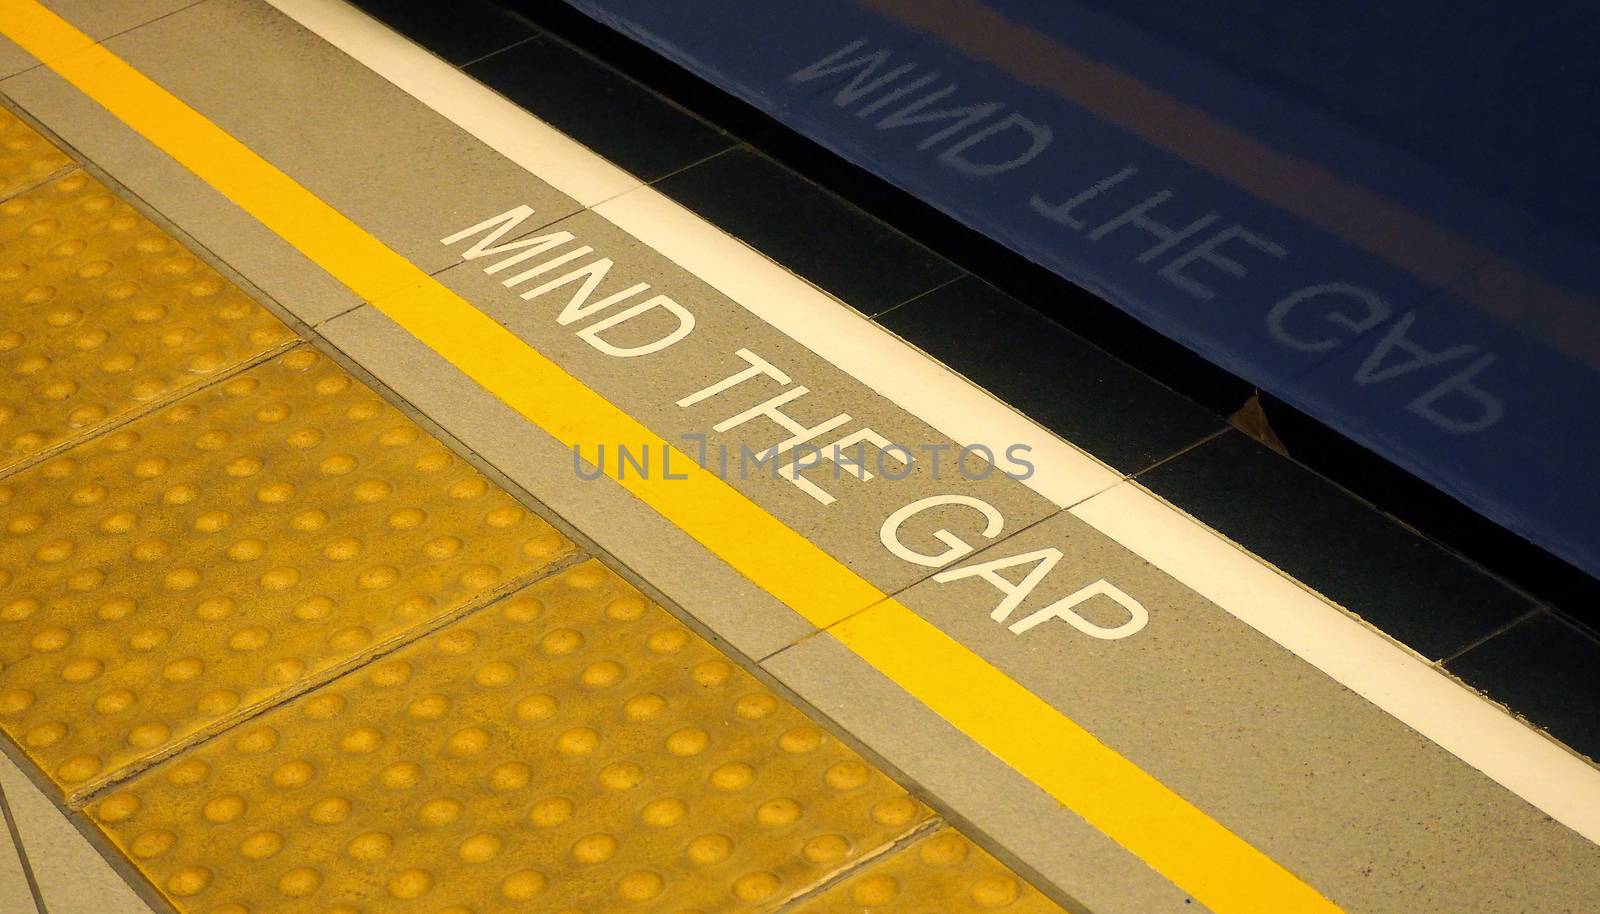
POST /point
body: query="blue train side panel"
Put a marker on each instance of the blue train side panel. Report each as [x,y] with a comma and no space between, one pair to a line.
[1406,251]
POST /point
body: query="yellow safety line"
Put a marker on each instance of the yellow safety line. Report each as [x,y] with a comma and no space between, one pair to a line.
[1195,852]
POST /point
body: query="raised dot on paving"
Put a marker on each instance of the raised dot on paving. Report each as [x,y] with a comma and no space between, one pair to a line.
[570,748]
[101,312]
[943,872]
[209,557]
[26,158]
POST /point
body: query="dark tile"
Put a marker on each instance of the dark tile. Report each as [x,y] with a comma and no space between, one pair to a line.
[1093,400]
[1544,669]
[863,262]
[459,31]
[1112,329]
[601,108]
[1551,581]
[1405,585]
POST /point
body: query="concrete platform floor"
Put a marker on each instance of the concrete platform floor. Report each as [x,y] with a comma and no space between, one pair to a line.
[406,508]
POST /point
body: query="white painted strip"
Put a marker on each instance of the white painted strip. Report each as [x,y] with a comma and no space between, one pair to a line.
[503,126]
[1385,673]
[968,415]
[921,386]
[1363,660]
[862,349]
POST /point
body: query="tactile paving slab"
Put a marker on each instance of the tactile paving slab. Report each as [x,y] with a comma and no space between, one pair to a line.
[943,873]
[215,554]
[26,158]
[570,748]
[102,312]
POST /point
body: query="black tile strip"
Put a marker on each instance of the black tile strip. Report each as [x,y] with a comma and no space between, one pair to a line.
[820,236]
[1080,311]
[458,31]
[1419,505]
[1544,669]
[1416,503]
[1421,595]
[600,108]
[1550,580]
[1411,588]
[1076,390]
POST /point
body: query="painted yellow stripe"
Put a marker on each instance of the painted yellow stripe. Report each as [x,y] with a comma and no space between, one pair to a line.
[1088,777]
[1181,842]
[765,550]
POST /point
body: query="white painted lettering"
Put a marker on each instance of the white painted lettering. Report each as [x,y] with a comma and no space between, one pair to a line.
[1042,561]
[798,432]
[591,333]
[1138,616]
[839,453]
[578,306]
[889,533]
[757,367]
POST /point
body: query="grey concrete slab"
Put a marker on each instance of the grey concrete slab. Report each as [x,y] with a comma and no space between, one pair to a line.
[1073,861]
[96,18]
[684,390]
[662,557]
[16,895]
[72,876]
[1366,810]
[368,149]
[226,231]
[14,59]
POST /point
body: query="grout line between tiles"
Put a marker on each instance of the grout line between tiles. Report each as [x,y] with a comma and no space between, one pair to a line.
[132,28]
[898,846]
[581,52]
[732,147]
[22,853]
[333,317]
[537,34]
[144,409]
[1194,445]
[63,171]
[1485,639]
[81,799]
[1029,524]
[162,221]
[923,294]
[895,594]
[749,663]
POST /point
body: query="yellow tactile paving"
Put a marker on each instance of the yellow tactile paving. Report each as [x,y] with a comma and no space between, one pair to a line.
[943,873]
[101,311]
[571,748]
[26,158]
[218,552]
